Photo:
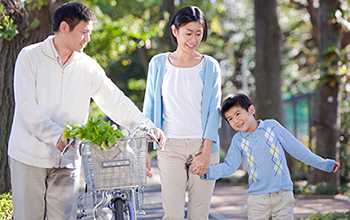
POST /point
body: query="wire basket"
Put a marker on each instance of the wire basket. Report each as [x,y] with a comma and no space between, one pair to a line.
[123,165]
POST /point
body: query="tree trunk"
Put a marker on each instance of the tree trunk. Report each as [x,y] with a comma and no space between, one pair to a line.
[326,103]
[9,50]
[268,95]
[268,60]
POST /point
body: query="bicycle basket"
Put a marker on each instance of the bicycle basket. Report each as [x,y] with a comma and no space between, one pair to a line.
[122,165]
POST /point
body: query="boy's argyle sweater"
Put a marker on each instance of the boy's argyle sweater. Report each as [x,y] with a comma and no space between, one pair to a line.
[263,157]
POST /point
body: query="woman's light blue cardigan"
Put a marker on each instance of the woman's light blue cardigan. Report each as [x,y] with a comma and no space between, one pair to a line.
[211,96]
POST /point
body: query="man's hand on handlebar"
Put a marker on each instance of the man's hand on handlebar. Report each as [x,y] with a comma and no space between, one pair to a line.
[158,136]
[61,143]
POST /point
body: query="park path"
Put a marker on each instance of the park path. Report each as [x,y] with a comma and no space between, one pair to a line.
[229,202]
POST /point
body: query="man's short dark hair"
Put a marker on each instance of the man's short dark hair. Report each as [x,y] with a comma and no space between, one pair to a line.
[240,100]
[72,13]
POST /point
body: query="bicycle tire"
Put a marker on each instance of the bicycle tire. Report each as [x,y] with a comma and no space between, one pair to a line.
[119,209]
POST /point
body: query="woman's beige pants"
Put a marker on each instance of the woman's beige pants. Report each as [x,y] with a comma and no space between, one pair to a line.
[174,181]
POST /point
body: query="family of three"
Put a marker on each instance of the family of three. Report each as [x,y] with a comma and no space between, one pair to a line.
[54,82]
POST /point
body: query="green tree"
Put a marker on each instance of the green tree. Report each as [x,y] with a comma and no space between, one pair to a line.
[302,65]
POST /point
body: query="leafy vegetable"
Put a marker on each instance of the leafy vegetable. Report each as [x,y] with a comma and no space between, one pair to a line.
[97,131]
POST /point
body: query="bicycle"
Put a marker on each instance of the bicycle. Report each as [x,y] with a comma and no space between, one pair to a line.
[114,178]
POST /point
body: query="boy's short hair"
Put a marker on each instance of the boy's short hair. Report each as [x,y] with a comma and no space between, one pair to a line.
[240,100]
[72,13]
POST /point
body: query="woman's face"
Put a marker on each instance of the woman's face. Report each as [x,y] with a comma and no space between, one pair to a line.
[188,36]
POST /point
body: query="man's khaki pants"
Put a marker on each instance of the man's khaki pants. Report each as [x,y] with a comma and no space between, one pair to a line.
[275,206]
[43,193]
[174,181]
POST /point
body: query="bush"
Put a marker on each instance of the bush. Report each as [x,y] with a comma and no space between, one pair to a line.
[329,216]
[6,209]
[302,187]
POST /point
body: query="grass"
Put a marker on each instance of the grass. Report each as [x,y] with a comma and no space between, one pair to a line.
[328,216]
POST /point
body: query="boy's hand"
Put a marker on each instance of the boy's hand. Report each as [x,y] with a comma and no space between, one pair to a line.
[336,167]
[200,163]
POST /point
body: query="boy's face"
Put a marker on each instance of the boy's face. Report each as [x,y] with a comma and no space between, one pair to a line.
[240,119]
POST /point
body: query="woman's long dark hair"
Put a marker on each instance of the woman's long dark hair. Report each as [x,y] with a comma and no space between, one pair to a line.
[186,15]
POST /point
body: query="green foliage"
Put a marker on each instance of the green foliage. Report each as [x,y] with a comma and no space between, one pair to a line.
[35,5]
[344,137]
[345,189]
[34,24]
[137,89]
[329,216]
[334,66]
[129,74]
[97,131]
[232,42]
[6,208]
[95,111]
[300,53]
[8,28]
[124,26]
[318,189]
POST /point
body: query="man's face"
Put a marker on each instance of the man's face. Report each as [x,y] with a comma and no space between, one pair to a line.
[240,119]
[78,38]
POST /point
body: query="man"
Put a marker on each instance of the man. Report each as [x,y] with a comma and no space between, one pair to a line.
[54,82]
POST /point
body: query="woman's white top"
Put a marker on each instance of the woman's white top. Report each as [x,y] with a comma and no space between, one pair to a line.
[182,97]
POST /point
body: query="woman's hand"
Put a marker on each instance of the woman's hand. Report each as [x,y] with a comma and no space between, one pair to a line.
[201,161]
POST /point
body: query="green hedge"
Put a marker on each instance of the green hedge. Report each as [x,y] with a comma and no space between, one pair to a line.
[329,216]
[6,208]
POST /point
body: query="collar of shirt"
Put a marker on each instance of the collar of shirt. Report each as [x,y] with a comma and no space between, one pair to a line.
[49,50]
[246,134]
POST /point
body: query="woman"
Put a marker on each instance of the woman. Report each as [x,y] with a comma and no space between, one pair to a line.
[183,97]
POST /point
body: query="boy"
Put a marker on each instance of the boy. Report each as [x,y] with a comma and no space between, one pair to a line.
[260,145]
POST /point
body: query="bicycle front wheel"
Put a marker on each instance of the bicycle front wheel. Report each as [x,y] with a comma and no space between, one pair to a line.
[119,205]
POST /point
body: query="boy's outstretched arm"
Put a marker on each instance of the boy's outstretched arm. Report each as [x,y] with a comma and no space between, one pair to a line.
[232,161]
[296,149]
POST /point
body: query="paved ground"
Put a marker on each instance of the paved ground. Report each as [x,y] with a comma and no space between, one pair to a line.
[229,202]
